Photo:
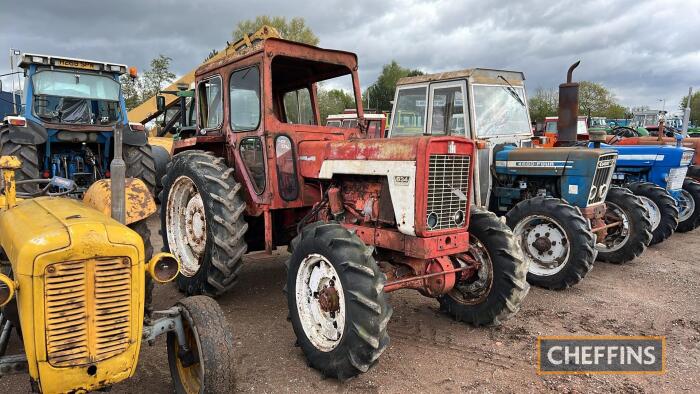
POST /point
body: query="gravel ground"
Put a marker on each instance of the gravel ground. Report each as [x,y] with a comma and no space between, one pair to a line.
[657,294]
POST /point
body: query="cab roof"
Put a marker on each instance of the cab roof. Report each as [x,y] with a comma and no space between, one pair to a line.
[70,63]
[478,75]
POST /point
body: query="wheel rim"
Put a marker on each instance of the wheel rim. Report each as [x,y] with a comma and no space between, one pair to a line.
[653,211]
[190,377]
[475,289]
[186,225]
[320,302]
[617,236]
[686,206]
[544,243]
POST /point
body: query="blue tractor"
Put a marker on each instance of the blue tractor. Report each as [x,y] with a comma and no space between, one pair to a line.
[657,174]
[66,126]
[553,199]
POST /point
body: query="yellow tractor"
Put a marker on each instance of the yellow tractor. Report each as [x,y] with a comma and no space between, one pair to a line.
[74,287]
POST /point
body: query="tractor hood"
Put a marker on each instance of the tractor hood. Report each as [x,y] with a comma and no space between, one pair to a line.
[548,162]
[652,156]
[322,159]
[48,224]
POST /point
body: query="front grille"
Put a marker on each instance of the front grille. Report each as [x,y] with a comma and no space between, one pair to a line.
[601,180]
[87,310]
[448,191]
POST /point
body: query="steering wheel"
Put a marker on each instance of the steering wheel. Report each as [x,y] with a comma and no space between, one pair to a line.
[624,131]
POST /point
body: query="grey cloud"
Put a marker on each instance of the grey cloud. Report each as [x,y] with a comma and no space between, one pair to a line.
[643,50]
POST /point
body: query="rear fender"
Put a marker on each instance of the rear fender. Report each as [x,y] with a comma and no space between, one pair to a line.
[31,134]
[139,201]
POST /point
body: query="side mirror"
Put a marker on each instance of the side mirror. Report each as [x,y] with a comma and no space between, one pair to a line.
[160,103]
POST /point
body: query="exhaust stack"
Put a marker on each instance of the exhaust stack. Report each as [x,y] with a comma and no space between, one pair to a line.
[568,109]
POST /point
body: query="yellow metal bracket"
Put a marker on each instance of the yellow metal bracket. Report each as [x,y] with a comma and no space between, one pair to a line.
[8,165]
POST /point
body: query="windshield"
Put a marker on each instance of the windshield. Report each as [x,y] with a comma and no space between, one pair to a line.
[74,97]
[499,112]
[409,115]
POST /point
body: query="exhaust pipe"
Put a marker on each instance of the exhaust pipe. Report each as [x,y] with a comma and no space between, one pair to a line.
[568,109]
[117,169]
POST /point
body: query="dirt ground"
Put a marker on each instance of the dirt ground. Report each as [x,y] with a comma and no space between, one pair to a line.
[658,294]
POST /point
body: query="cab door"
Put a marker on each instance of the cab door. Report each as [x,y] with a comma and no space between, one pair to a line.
[447,114]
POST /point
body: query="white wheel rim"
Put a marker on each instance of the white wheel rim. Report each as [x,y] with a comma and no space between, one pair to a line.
[323,328]
[653,211]
[616,241]
[544,244]
[186,225]
[686,206]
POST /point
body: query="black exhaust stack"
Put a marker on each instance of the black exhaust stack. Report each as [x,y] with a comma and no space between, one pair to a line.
[568,109]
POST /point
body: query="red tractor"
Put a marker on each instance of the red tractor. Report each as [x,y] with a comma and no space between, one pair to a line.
[362,217]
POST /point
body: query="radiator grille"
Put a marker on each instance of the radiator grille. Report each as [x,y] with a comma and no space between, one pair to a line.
[87,310]
[448,191]
[601,180]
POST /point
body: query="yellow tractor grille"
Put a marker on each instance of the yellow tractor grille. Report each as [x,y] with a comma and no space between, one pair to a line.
[88,310]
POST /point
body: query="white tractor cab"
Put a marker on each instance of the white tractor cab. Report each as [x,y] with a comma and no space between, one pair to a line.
[553,199]
[376,123]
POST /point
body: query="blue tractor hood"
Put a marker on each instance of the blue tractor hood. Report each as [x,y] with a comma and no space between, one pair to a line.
[651,155]
[548,162]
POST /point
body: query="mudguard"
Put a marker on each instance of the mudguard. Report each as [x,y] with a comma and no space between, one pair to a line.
[139,201]
[33,134]
[133,137]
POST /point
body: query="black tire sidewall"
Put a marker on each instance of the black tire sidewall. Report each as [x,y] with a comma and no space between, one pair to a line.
[692,222]
[640,227]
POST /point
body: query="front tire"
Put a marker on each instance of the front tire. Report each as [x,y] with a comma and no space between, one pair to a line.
[556,241]
[202,222]
[141,164]
[661,208]
[689,214]
[494,294]
[29,157]
[336,301]
[208,368]
[628,240]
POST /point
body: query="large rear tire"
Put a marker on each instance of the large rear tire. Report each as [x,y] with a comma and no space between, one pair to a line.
[141,164]
[556,241]
[29,157]
[628,240]
[202,222]
[161,157]
[210,339]
[494,294]
[141,228]
[689,214]
[661,207]
[336,300]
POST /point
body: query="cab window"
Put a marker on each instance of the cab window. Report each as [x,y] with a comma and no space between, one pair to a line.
[298,108]
[244,99]
[211,110]
[252,154]
[409,116]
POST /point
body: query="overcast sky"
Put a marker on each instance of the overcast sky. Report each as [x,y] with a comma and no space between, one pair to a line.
[642,50]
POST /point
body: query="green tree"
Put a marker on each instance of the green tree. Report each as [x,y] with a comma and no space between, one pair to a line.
[694,107]
[545,102]
[131,90]
[616,111]
[380,94]
[158,76]
[595,99]
[333,101]
[294,29]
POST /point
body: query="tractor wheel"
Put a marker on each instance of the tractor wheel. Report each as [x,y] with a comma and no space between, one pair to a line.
[661,208]
[556,241]
[140,164]
[208,366]
[161,157]
[202,222]
[630,238]
[336,300]
[29,157]
[689,214]
[694,172]
[141,228]
[494,293]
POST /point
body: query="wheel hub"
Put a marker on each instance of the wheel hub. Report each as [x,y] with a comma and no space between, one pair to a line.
[653,211]
[686,206]
[195,224]
[544,243]
[328,300]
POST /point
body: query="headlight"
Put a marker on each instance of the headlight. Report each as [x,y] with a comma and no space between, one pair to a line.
[7,289]
[163,267]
